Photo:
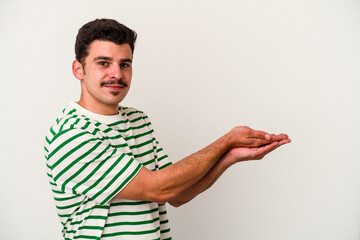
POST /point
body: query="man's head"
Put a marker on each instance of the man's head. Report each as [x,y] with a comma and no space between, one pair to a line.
[104,51]
[105,30]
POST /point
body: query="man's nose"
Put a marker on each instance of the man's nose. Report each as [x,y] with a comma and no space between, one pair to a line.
[116,72]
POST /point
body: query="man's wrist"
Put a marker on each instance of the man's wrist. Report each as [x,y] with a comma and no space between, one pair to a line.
[229,140]
[227,160]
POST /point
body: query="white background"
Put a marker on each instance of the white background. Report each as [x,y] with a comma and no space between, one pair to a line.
[200,68]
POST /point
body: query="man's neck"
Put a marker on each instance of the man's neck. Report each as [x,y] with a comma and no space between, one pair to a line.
[101,109]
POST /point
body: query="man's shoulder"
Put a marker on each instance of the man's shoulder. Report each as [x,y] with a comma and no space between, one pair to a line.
[133,113]
[130,111]
[68,119]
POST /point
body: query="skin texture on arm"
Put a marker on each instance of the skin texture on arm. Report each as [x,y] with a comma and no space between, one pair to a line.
[160,186]
[166,184]
[233,156]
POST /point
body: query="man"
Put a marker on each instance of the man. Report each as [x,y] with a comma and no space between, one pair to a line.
[109,175]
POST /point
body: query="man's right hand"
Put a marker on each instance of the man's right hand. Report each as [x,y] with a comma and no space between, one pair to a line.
[247,137]
[251,153]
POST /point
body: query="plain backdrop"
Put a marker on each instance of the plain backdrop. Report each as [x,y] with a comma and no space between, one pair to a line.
[201,68]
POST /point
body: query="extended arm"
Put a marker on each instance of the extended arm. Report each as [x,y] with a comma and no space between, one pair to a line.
[233,156]
[163,185]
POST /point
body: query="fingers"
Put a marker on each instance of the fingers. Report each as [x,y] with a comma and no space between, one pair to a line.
[255,153]
[260,138]
[260,135]
[247,137]
[263,151]
[279,137]
[264,135]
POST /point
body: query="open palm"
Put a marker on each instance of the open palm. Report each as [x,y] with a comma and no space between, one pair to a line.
[257,153]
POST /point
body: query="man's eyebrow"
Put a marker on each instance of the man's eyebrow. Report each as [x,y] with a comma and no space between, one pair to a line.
[110,59]
[103,58]
[126,60]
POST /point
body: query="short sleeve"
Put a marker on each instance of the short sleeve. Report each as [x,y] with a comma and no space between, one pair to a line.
[82,163]
[162,159]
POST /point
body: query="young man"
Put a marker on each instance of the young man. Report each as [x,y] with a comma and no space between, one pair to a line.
[109,175]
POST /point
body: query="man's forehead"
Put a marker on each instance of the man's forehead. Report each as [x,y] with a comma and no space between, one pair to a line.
[109,49]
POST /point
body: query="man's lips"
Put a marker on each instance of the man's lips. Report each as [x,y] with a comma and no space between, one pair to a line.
[114,86]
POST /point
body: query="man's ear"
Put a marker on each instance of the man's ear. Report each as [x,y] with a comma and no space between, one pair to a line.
[78,70]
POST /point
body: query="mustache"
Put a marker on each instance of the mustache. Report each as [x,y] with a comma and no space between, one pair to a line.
[112,81]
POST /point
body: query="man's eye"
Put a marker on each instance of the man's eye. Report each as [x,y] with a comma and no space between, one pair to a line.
[124,65]
[103,63]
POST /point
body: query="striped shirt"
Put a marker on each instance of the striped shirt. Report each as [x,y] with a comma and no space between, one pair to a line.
[90,158]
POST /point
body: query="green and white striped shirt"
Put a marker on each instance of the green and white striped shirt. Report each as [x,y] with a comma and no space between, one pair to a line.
[91,158]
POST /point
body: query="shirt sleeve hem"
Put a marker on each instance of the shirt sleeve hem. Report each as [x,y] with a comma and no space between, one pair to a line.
[122,186]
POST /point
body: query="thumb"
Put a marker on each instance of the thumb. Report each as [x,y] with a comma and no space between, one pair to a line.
[261,135]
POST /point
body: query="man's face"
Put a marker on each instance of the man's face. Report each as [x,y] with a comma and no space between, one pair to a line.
[106,77]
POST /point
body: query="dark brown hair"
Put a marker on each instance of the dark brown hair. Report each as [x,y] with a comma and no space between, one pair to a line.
[105,30]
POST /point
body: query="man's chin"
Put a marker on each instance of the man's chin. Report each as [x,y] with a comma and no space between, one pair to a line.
[115,100]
